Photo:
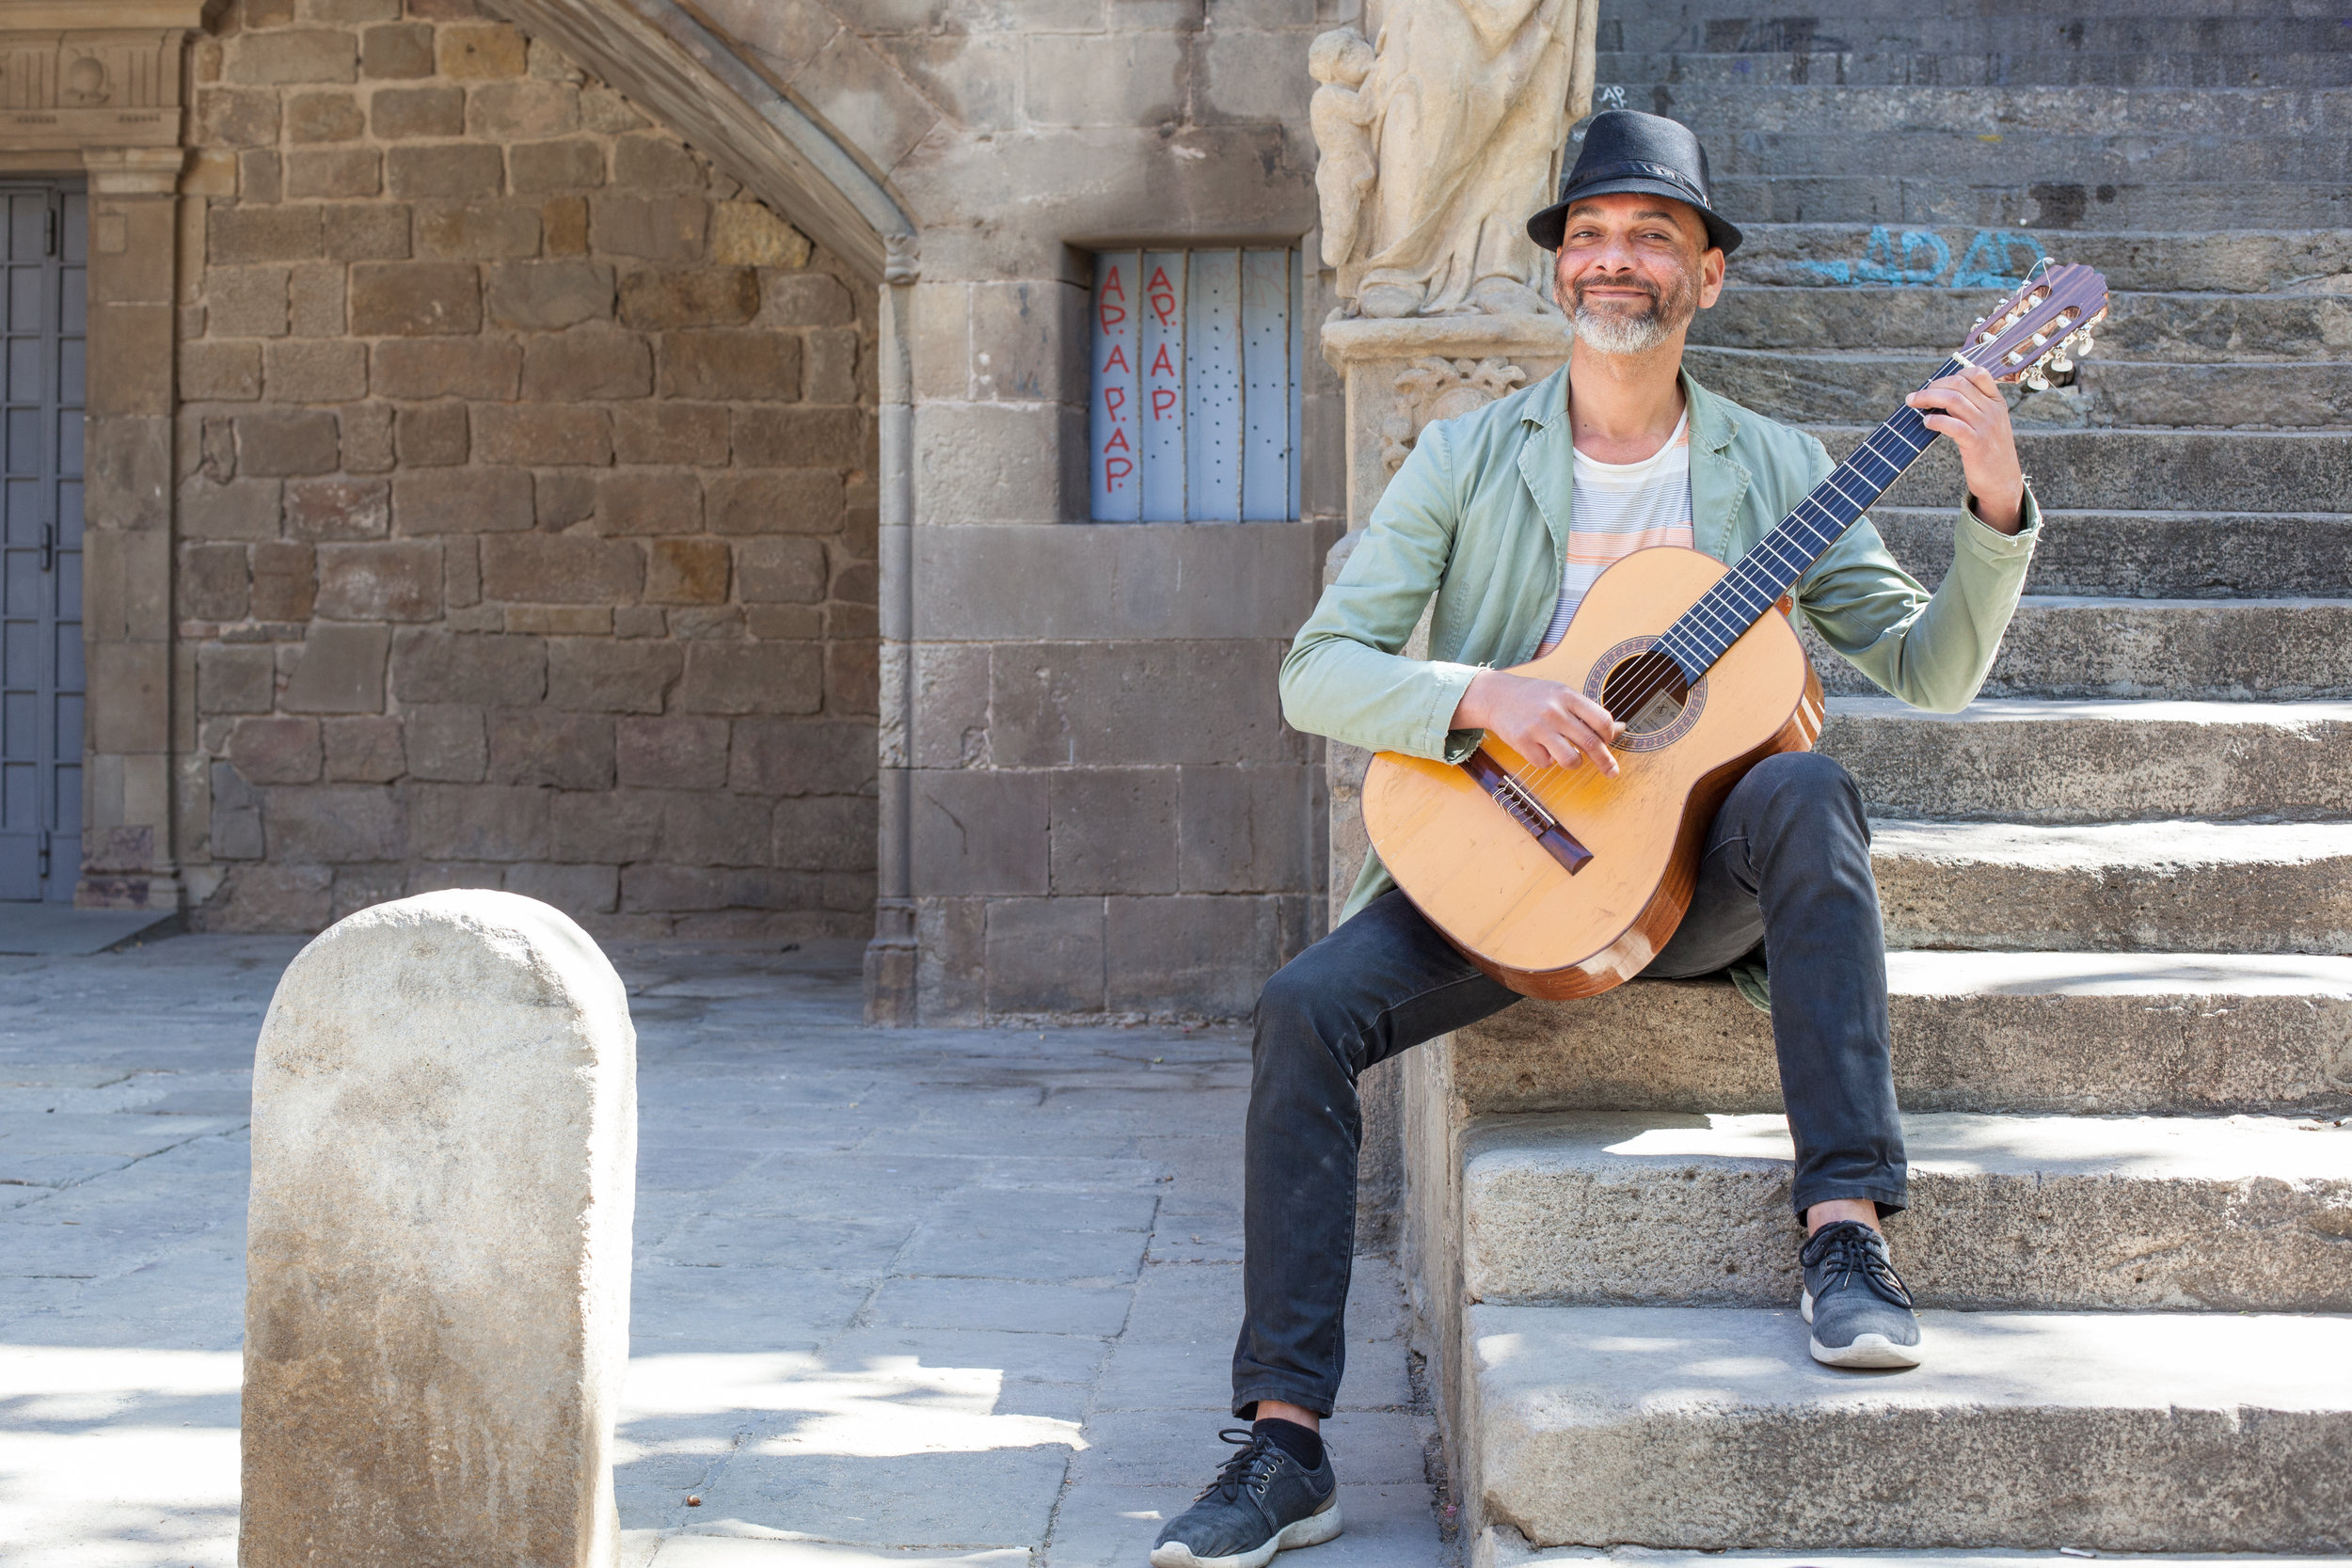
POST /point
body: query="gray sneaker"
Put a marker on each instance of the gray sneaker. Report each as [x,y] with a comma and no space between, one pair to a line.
[1855,1301]
[1261,1502]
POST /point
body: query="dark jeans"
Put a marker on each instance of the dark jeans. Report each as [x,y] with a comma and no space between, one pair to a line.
[1786,863]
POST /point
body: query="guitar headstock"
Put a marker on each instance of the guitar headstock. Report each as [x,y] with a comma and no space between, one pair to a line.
[2043,326]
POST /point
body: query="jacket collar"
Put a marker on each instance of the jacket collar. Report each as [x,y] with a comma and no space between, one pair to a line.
[1717,481]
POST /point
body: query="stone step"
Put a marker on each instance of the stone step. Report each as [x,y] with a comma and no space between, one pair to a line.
[2220,1213]
[2107,1034]
[2156,555]
[1708,1428]
[1879,66]
[2167,470]
[2052,204]
[2172,328]
[1996,153]
[1820,385]
[2199,649]
[1502,1546]
[2029,760]
[2020,19]
[2016,118]
[1914,254]
[2042,38]
[2234,887]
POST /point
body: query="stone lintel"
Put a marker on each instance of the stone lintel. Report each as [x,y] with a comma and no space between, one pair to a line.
[133,170]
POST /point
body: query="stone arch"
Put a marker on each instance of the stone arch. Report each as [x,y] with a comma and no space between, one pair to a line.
[687,76]
[695,79]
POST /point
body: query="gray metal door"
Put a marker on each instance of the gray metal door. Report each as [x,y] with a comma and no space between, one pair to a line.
[43,277]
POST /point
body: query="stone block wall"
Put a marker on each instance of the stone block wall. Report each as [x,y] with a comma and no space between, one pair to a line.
[1108,813]
[526,497]
[1105,812]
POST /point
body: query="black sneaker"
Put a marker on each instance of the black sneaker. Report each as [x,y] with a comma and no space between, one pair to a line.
[1855,1301]
[1263,1502]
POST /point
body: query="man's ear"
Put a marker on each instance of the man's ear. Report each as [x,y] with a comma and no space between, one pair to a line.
[1710,278]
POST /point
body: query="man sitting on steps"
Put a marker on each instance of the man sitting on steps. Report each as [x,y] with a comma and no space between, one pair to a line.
[1507,515]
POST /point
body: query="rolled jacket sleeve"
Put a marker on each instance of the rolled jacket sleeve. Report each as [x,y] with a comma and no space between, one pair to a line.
[1345,676]
[1932,651]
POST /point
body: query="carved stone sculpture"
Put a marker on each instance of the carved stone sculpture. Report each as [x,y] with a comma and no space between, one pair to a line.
[1437,141]
[1439,389]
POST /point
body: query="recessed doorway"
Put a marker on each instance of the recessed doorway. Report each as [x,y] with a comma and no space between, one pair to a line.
[43,271]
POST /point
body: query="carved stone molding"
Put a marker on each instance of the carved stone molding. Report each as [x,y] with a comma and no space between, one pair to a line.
[1439,389]
[1401,374]
[69,91]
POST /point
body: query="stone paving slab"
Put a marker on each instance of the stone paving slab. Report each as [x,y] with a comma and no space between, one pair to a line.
[901,1297]
[37,931]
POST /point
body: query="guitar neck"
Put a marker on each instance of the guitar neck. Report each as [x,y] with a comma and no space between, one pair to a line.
[1750,590]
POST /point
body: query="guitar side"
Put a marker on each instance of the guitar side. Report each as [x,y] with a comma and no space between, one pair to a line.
[1499,895]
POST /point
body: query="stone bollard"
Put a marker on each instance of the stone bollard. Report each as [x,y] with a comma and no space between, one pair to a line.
[437,1277]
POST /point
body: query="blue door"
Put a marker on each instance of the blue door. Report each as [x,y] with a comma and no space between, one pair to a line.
[44,267]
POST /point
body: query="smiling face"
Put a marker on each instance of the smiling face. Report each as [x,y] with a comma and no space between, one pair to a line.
[1633,269]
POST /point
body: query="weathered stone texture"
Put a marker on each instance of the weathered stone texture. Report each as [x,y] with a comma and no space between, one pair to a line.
[444,1167]
[506,420]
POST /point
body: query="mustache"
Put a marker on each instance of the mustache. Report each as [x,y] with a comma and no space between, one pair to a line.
[1656,298]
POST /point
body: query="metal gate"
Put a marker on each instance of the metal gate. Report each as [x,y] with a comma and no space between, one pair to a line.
[43,290]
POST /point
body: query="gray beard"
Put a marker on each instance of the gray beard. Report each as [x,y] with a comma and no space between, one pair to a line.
[1606,332]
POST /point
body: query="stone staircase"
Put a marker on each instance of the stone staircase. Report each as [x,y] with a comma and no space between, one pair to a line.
[2118,888]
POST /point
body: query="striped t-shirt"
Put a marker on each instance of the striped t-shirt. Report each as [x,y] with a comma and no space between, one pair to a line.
[1619,508]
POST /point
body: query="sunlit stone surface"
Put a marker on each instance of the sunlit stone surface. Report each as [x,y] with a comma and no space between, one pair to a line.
[436,1308]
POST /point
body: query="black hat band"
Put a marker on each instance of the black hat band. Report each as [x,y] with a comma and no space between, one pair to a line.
[1674,177]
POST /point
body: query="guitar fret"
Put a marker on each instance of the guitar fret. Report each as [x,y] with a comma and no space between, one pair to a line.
[1759,579]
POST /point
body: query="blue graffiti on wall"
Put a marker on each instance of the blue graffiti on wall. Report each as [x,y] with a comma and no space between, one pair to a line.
[1919,259]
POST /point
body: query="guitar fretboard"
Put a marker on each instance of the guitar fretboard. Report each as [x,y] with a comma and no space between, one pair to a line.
[1746,592]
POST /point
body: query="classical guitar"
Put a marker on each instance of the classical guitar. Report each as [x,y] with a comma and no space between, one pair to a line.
[1561,883]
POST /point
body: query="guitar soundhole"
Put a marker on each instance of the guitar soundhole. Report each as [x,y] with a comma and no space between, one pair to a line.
[1648,694]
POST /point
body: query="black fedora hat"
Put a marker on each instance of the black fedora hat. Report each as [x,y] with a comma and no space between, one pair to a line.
[1626,151]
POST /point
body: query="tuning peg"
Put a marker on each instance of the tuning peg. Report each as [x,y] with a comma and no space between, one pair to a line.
[2061,364]
[2035,381]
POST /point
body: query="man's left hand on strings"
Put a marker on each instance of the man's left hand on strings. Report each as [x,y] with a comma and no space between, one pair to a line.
[1969,408]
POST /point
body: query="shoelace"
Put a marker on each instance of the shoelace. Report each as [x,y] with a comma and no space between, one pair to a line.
[1249,1470]
[1848,1249]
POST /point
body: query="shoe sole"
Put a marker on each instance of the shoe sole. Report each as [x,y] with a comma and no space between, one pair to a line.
[1868,1352]
[1313,1530]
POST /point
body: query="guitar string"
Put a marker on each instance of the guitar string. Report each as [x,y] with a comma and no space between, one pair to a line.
[1746,576]
[1743,575]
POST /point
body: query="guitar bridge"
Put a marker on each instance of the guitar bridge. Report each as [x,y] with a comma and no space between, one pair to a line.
[1518,802]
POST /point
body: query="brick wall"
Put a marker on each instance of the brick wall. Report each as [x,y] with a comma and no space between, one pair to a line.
[526,500]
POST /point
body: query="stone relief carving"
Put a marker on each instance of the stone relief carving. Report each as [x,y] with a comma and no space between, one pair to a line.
[1437,141]
[1438,388]
[89,89]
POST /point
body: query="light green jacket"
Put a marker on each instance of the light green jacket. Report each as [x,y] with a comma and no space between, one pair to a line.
[1479,516]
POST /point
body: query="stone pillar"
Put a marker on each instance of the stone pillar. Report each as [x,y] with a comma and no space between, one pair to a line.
[437,1308]
[890,957]
[127,855]
[1400,375]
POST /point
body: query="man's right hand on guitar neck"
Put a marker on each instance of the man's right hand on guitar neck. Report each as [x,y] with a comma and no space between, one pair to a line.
[1546,722]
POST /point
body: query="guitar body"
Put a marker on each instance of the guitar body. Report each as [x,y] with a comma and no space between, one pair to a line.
[1486,881]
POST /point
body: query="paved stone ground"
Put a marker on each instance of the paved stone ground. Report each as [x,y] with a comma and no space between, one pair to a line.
[901,1297]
